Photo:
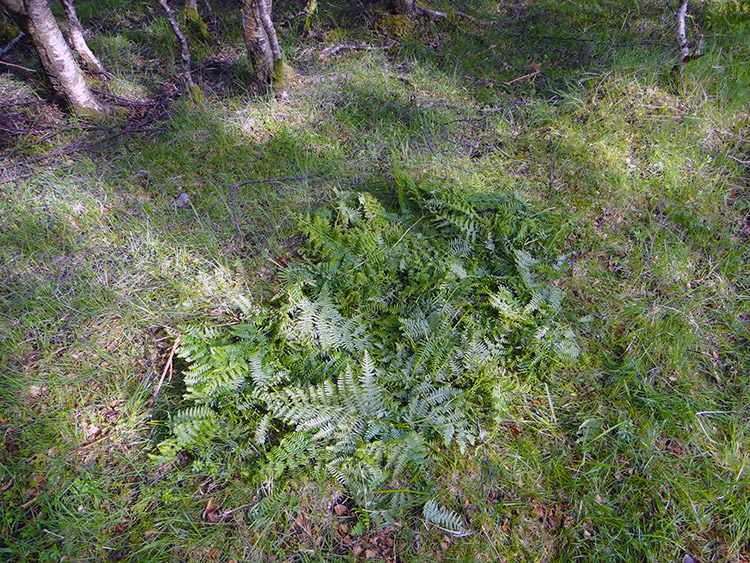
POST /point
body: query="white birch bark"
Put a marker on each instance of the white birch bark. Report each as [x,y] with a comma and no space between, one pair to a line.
[259,49]
[36,17]
[79,42]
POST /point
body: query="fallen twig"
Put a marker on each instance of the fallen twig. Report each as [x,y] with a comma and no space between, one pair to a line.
[328,52]
[85,446]
[598,41]
[27,69]
[123,99]
[531,75]
[10,45]
[167,366]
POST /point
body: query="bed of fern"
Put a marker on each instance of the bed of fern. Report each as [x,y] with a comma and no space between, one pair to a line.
[383,347]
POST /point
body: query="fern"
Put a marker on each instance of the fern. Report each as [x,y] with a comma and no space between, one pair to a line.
[374,353]
[446,519]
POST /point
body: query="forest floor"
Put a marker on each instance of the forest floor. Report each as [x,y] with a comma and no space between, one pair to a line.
[637,451]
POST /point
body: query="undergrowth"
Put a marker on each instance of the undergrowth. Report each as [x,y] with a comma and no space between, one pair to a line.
[373,356]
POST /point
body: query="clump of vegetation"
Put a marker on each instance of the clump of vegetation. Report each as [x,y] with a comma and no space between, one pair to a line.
[374,355]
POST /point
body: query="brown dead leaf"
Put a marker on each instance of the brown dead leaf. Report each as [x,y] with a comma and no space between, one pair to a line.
[93,432]
[212,513]
[340,509]
[37,390]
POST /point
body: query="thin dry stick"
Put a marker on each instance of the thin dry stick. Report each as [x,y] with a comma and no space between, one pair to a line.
[167,366]
[83,447]
[268,181]
[27,69]
[331,51]
[531,75]
[15,40]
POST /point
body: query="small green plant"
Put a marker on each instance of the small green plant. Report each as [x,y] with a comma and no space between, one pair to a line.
[374,354]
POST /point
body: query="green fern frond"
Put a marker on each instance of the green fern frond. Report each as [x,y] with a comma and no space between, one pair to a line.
[446,519]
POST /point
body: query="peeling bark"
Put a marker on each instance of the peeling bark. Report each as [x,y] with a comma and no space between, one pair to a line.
[35,18]
[79,42]
[187,76]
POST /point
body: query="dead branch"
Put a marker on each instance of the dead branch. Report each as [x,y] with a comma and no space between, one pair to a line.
[10,45]
[27,69]
[268,181]
[329,52]
[422,9]
[128,101]
[167,366]
[525,76]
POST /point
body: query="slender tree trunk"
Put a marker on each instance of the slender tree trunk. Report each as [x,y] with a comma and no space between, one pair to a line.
[78,41]
[193,21]
[187,76]
[682,36]
[687,53]
[262,44]
[35,17]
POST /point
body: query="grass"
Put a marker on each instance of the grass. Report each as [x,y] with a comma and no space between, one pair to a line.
[638,452]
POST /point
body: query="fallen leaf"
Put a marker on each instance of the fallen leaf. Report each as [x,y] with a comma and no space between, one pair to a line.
[212,513]
[92,432]
[340,509]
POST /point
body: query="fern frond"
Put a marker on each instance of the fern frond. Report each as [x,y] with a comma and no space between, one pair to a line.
[446,519]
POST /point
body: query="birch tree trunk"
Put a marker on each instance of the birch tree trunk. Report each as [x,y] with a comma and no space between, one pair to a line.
[262,44]
[195,92]
[35,17]
[682,36]
[688,52]
[193,21]
[78,41]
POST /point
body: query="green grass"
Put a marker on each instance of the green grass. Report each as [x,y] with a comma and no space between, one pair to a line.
[637,452]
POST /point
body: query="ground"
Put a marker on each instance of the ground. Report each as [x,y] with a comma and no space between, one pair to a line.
[637,451]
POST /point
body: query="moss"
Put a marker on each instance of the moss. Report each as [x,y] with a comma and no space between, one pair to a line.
[280,74]
[310,10]
[195,25]
[196,94]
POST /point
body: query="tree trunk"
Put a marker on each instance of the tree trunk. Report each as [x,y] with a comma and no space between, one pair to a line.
[687,52]
[195,25]
[262,44]
[187,76]
[35,17]
[682,36]
[78,41]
